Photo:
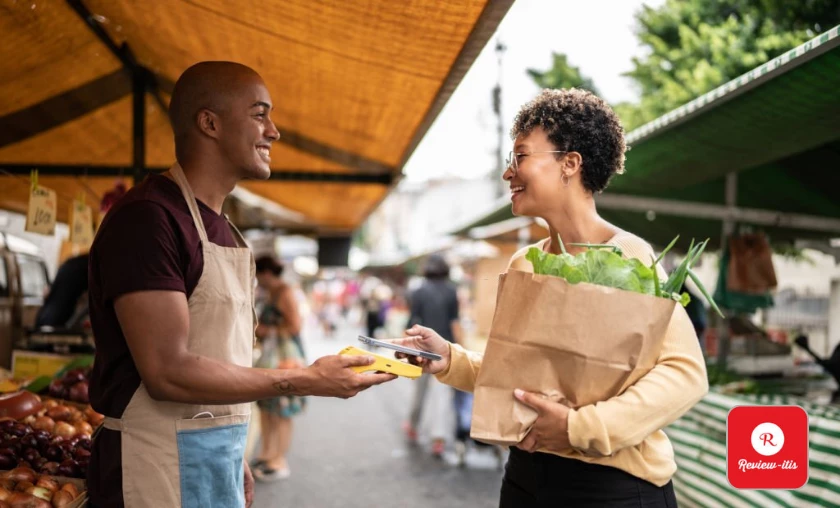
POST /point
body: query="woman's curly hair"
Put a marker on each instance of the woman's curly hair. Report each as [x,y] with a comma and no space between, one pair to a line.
[577,120]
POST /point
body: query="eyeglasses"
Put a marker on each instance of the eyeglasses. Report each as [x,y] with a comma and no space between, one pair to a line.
[512,161]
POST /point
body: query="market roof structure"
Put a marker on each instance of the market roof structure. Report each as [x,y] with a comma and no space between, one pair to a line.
[84,87]
[761,150]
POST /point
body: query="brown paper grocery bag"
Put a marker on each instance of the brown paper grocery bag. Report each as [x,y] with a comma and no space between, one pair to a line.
[750,267]
[574,343]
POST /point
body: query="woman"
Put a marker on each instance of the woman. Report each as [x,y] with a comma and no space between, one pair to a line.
[279,333]
[568,144]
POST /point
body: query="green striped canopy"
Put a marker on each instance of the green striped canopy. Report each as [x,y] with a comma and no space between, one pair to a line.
[699,440]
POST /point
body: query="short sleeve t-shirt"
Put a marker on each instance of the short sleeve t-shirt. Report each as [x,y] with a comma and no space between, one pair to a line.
[435,305]
[147,242]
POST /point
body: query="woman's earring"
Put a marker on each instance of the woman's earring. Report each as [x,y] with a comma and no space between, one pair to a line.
[565,179]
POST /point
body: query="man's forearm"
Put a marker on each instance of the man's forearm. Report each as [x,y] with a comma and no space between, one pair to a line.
[199,379]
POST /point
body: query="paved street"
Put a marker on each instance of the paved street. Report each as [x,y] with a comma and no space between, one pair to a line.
[351,453]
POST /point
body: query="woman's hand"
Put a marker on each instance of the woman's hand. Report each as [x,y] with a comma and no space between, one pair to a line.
[551,430]
[425,339]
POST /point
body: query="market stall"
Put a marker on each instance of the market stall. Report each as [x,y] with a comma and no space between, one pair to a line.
[85,86]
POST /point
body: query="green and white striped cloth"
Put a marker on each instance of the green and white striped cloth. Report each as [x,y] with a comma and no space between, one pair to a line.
[699,440]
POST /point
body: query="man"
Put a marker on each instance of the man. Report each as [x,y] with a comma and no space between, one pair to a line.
[171,292]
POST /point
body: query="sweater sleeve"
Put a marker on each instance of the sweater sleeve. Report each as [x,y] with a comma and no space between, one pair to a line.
[464,365]
[669,390]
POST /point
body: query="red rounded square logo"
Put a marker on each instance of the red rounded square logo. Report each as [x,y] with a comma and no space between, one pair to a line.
[767,447]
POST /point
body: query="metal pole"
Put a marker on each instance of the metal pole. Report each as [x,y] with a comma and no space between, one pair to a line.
[138,115]
[500,128]
[731,197]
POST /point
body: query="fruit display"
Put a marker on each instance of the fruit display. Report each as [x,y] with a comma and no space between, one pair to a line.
[73,386]
[24,488]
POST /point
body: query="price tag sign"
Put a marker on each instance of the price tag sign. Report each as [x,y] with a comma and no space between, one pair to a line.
[40,216]
[81,224]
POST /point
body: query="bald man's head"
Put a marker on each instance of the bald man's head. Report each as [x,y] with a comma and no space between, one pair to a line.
[222,109]
[206,85]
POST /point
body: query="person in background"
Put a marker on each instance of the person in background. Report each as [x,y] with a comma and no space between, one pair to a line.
[279,334]
[434,305]
[372,321]
[65,303]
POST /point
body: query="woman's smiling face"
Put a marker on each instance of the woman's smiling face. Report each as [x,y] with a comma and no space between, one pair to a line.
[535,176]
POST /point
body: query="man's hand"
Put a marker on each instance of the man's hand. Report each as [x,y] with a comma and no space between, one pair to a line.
[249,486]
[332,376]
[551,430]
[425,339]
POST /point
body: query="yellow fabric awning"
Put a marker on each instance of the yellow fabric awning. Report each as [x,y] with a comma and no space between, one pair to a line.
[355,88]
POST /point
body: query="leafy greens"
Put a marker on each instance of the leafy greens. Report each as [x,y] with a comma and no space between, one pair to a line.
[604,265]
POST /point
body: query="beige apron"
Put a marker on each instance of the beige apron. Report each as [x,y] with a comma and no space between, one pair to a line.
[192,455]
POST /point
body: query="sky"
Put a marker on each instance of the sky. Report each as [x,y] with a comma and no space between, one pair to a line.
[596,35]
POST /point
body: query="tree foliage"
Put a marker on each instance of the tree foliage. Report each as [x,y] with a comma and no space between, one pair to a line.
[691,47]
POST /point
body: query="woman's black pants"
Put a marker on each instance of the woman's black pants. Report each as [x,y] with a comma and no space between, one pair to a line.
[542,480]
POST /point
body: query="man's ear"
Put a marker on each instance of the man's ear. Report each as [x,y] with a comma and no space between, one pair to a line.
[208,123]
[572,163]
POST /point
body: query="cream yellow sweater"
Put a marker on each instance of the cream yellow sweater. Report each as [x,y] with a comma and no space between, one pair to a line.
[625,431]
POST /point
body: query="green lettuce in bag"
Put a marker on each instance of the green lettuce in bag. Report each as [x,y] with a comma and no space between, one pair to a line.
[604,265]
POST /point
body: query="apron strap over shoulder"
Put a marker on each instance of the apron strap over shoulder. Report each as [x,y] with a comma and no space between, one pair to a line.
[186,190]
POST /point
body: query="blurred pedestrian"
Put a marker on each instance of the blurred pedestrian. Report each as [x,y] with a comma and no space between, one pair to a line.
[434,305]
[279,333]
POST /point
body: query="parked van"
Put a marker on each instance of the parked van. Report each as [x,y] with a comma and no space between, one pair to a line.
[24,281]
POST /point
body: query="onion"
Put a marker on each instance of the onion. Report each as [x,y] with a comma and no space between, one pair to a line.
[51,403]
[54,453]
[24,500]
[50,468]
[73,376]
[48,482]
[5,493]
[4,504]
[59,413]
[22,486]
[81,454]
[84,442]
[79,392]
[19,405]
[61,499]
[40,493]
[84,428]
[71,489]
[22,474]
[64,430]
[28,441]
[69,468]
[44,423]
[31,455]
[7,461]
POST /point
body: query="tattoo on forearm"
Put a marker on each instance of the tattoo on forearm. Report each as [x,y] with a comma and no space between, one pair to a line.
[284,387]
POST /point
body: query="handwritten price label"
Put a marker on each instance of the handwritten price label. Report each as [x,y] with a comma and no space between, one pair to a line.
[81,224]
[40,216]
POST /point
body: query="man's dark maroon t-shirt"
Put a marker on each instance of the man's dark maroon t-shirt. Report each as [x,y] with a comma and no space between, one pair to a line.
[147,242]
